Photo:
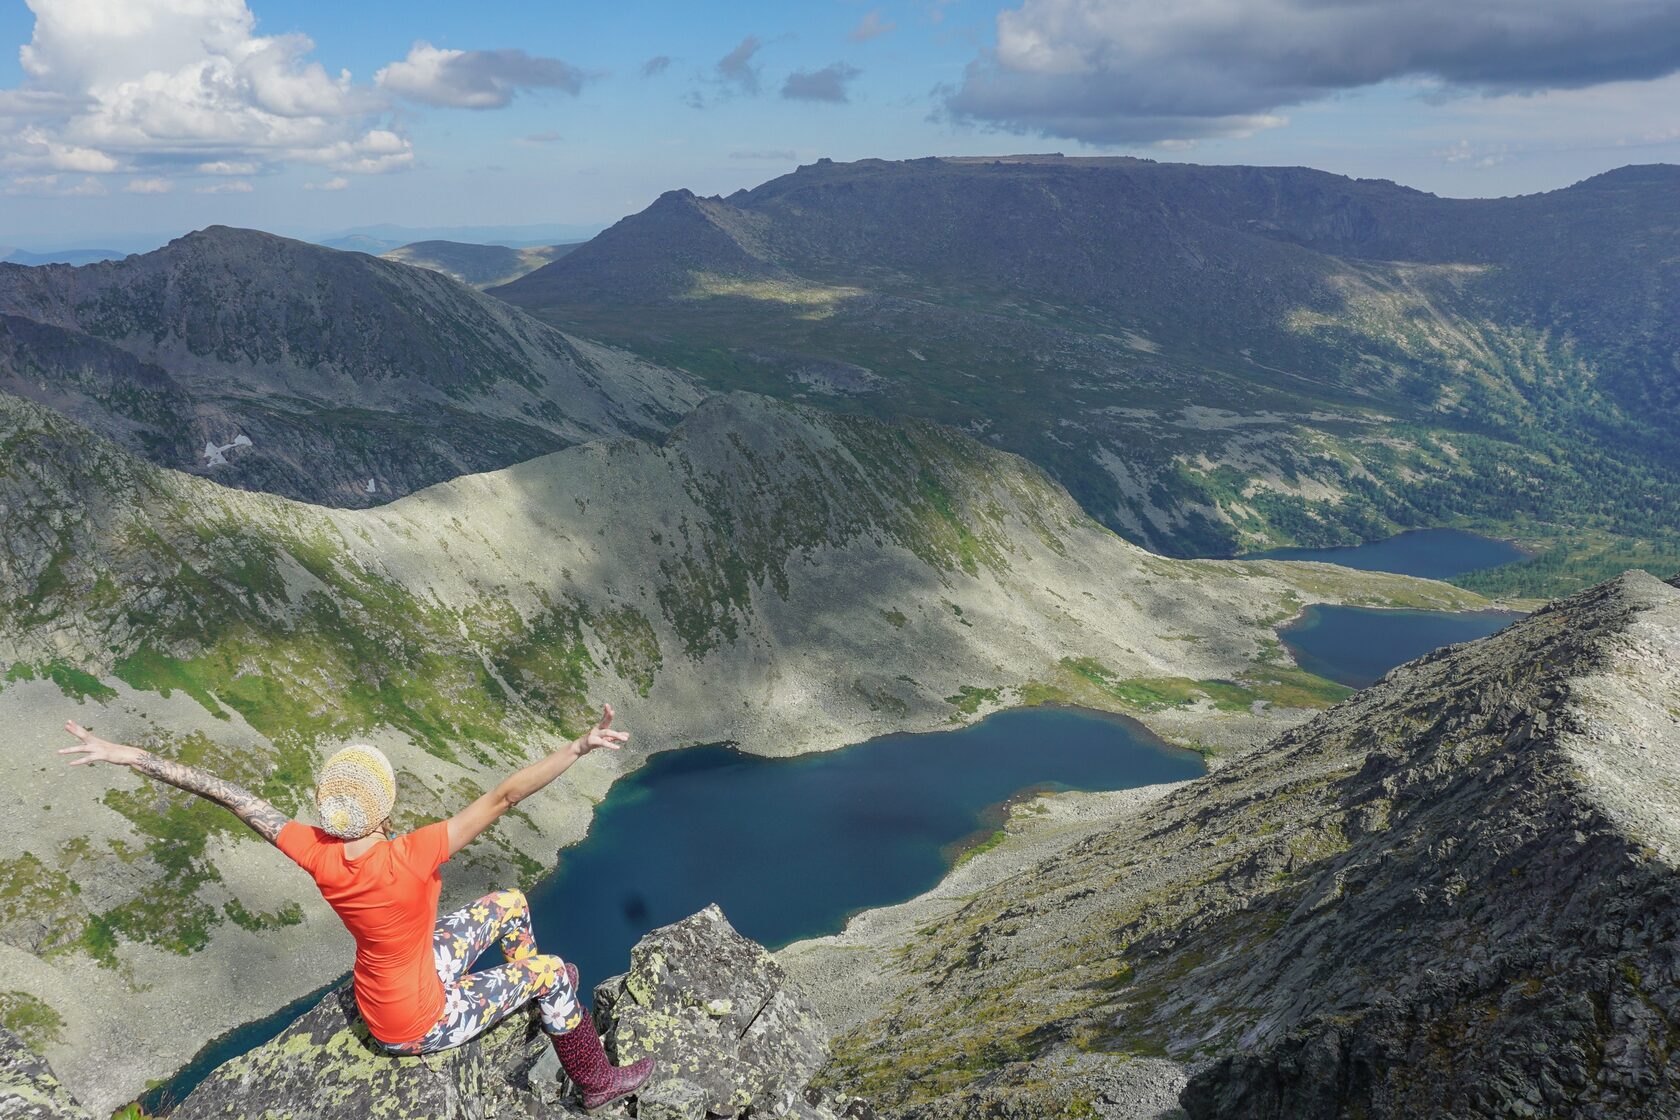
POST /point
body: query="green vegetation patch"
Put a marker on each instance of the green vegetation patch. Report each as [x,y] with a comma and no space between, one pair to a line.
[290,914]
[969,698]
[31,1019]
[40,906]
[631,645]
[177,827]
[77,684]
[1087,682]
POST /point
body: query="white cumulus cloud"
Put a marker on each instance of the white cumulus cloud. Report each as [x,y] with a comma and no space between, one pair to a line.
[171,87]
[228,167]
[148,186]
[337,183]
[231,186]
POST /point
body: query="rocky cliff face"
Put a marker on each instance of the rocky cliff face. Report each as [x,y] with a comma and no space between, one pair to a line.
[730,1035]
[1456,894]
[337,368]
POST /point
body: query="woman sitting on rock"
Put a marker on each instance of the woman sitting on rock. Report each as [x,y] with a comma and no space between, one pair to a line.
[411,978]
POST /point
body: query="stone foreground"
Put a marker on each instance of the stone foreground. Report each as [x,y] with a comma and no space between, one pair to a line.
[733,1036]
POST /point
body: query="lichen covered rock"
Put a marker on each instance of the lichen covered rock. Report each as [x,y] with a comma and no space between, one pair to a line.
[732,1037]
[29,1090]
[730,1033]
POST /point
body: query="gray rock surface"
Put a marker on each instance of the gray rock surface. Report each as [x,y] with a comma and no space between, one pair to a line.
[29,1090]
[732,1036]
[730,1033]
[1455,895]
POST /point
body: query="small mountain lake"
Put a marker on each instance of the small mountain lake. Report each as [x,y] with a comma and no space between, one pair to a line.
[1355,646]
[1431,553]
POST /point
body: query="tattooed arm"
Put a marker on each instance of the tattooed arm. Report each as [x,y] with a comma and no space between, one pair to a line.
[248,807]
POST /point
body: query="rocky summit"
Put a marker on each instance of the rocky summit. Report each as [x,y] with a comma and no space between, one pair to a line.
[733,1038]
[1454,895]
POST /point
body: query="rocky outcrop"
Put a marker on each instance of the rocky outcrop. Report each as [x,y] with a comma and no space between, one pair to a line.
[1457,894]
[728,1029]
[29,1090]
[732,1037]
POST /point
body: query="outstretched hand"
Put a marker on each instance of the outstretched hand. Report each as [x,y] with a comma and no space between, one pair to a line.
[602,735]
[94,749]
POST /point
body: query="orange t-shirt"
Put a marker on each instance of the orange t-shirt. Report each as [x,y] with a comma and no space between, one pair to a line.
[388,900]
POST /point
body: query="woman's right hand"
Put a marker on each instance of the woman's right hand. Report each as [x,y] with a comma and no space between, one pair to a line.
[94,749]
[602,735]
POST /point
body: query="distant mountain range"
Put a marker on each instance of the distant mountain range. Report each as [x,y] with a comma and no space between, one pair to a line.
[482,266]
[1212,359]
[58,256]
[391,236]
[355,379]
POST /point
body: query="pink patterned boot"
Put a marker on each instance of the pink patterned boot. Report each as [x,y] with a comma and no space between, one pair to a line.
[585,1062]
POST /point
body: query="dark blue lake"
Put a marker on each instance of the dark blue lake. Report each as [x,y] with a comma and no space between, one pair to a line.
[1431,553]
[1355,646]
[790,847]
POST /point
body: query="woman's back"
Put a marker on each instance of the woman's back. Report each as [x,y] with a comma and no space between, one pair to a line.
[388,900]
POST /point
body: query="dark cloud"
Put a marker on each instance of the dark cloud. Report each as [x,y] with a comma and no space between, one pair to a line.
[827,84]
[475,79]
[736,68]
[658,64]
[1136,70]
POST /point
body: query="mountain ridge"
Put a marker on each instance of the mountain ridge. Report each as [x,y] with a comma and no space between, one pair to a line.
[340,368]
[1456,893]
[1375,354]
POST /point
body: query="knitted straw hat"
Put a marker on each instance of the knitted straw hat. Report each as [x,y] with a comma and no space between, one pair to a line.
[355,791]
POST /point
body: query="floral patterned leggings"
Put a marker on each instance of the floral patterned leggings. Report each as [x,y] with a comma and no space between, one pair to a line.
[476,1001]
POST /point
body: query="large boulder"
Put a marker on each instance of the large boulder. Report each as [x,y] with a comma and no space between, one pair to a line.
[29,1090]
[734,1038]
[731,1034]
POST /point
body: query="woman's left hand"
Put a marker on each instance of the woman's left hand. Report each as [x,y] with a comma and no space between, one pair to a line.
[602,735]
[94,749]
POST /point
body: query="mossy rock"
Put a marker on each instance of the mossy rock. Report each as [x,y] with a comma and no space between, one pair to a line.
[730,1032]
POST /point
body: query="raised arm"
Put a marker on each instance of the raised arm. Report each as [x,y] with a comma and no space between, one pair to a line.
[264,818]
[519,785]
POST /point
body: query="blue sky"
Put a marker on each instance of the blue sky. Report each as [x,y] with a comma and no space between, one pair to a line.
[133,117]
